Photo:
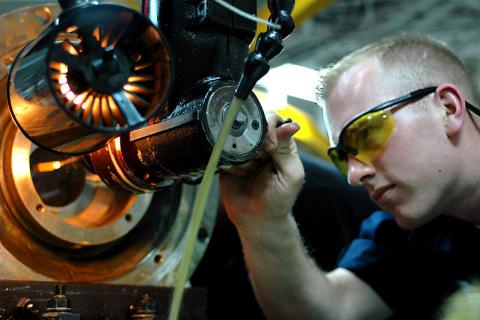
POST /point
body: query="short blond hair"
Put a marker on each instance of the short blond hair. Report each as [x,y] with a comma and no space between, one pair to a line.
[418,61]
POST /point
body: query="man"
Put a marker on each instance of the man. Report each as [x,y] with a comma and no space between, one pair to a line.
[417,156]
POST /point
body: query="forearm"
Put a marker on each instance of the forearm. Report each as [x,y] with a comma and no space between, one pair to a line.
[287,282]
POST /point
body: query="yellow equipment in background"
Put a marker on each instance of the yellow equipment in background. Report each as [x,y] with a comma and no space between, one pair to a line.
[304,9]
[309,135]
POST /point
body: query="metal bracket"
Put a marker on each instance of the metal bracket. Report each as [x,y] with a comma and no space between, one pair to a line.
[164,125]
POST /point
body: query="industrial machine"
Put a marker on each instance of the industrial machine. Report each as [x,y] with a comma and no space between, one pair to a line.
[108,117]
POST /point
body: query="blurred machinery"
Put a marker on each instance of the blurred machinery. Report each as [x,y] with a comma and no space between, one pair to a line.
[107,121]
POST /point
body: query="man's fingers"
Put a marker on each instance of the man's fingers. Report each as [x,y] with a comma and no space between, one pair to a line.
[277,142]
[286,131]
[270,142]
[286,156]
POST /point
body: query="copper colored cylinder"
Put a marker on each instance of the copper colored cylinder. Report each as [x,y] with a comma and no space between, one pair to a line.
[181,152]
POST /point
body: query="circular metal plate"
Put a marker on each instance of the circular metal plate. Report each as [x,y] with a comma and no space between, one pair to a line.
[248,129]
[111,237]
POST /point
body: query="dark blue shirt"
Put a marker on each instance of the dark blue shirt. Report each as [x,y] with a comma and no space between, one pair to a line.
[414,271]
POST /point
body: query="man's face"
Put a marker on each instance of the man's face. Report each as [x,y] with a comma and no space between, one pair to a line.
[411,177]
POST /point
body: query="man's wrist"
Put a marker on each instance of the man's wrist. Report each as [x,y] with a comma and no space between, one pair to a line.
[269,233]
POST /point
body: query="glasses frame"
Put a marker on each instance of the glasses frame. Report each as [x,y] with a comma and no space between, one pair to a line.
[342,151]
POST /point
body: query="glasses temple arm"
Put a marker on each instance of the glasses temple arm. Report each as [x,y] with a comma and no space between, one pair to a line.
[472,108]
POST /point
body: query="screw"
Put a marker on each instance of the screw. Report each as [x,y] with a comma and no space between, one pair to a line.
[202,234]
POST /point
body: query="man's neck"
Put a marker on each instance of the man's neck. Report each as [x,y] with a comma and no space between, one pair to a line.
[467,205]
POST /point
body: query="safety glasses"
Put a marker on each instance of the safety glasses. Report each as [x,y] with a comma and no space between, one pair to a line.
[367,134]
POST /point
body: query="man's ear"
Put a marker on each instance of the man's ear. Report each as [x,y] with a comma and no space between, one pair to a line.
[453,102]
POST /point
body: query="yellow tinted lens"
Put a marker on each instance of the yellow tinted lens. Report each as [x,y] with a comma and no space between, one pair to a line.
[338,161]
[369,135]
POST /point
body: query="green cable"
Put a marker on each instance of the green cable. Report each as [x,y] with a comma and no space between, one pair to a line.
[199,208]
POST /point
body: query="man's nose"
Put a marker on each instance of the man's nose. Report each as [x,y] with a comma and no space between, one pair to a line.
[358,171]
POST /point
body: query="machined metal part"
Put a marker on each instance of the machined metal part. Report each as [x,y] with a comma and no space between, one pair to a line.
[91,238]
[35,20]
[118,166]
[68,206]
[59,222]
[163,125]
[151,9]
[178,148]
[248,129]
[59,306]
[70,4]
[97,72]
[207,39]
[27,300]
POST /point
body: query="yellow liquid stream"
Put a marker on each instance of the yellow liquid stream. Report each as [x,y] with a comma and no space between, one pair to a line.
[199,208]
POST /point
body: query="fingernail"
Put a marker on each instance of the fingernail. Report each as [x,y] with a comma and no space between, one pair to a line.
[281,123]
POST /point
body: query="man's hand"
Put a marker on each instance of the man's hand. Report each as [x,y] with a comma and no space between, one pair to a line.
[265,189]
